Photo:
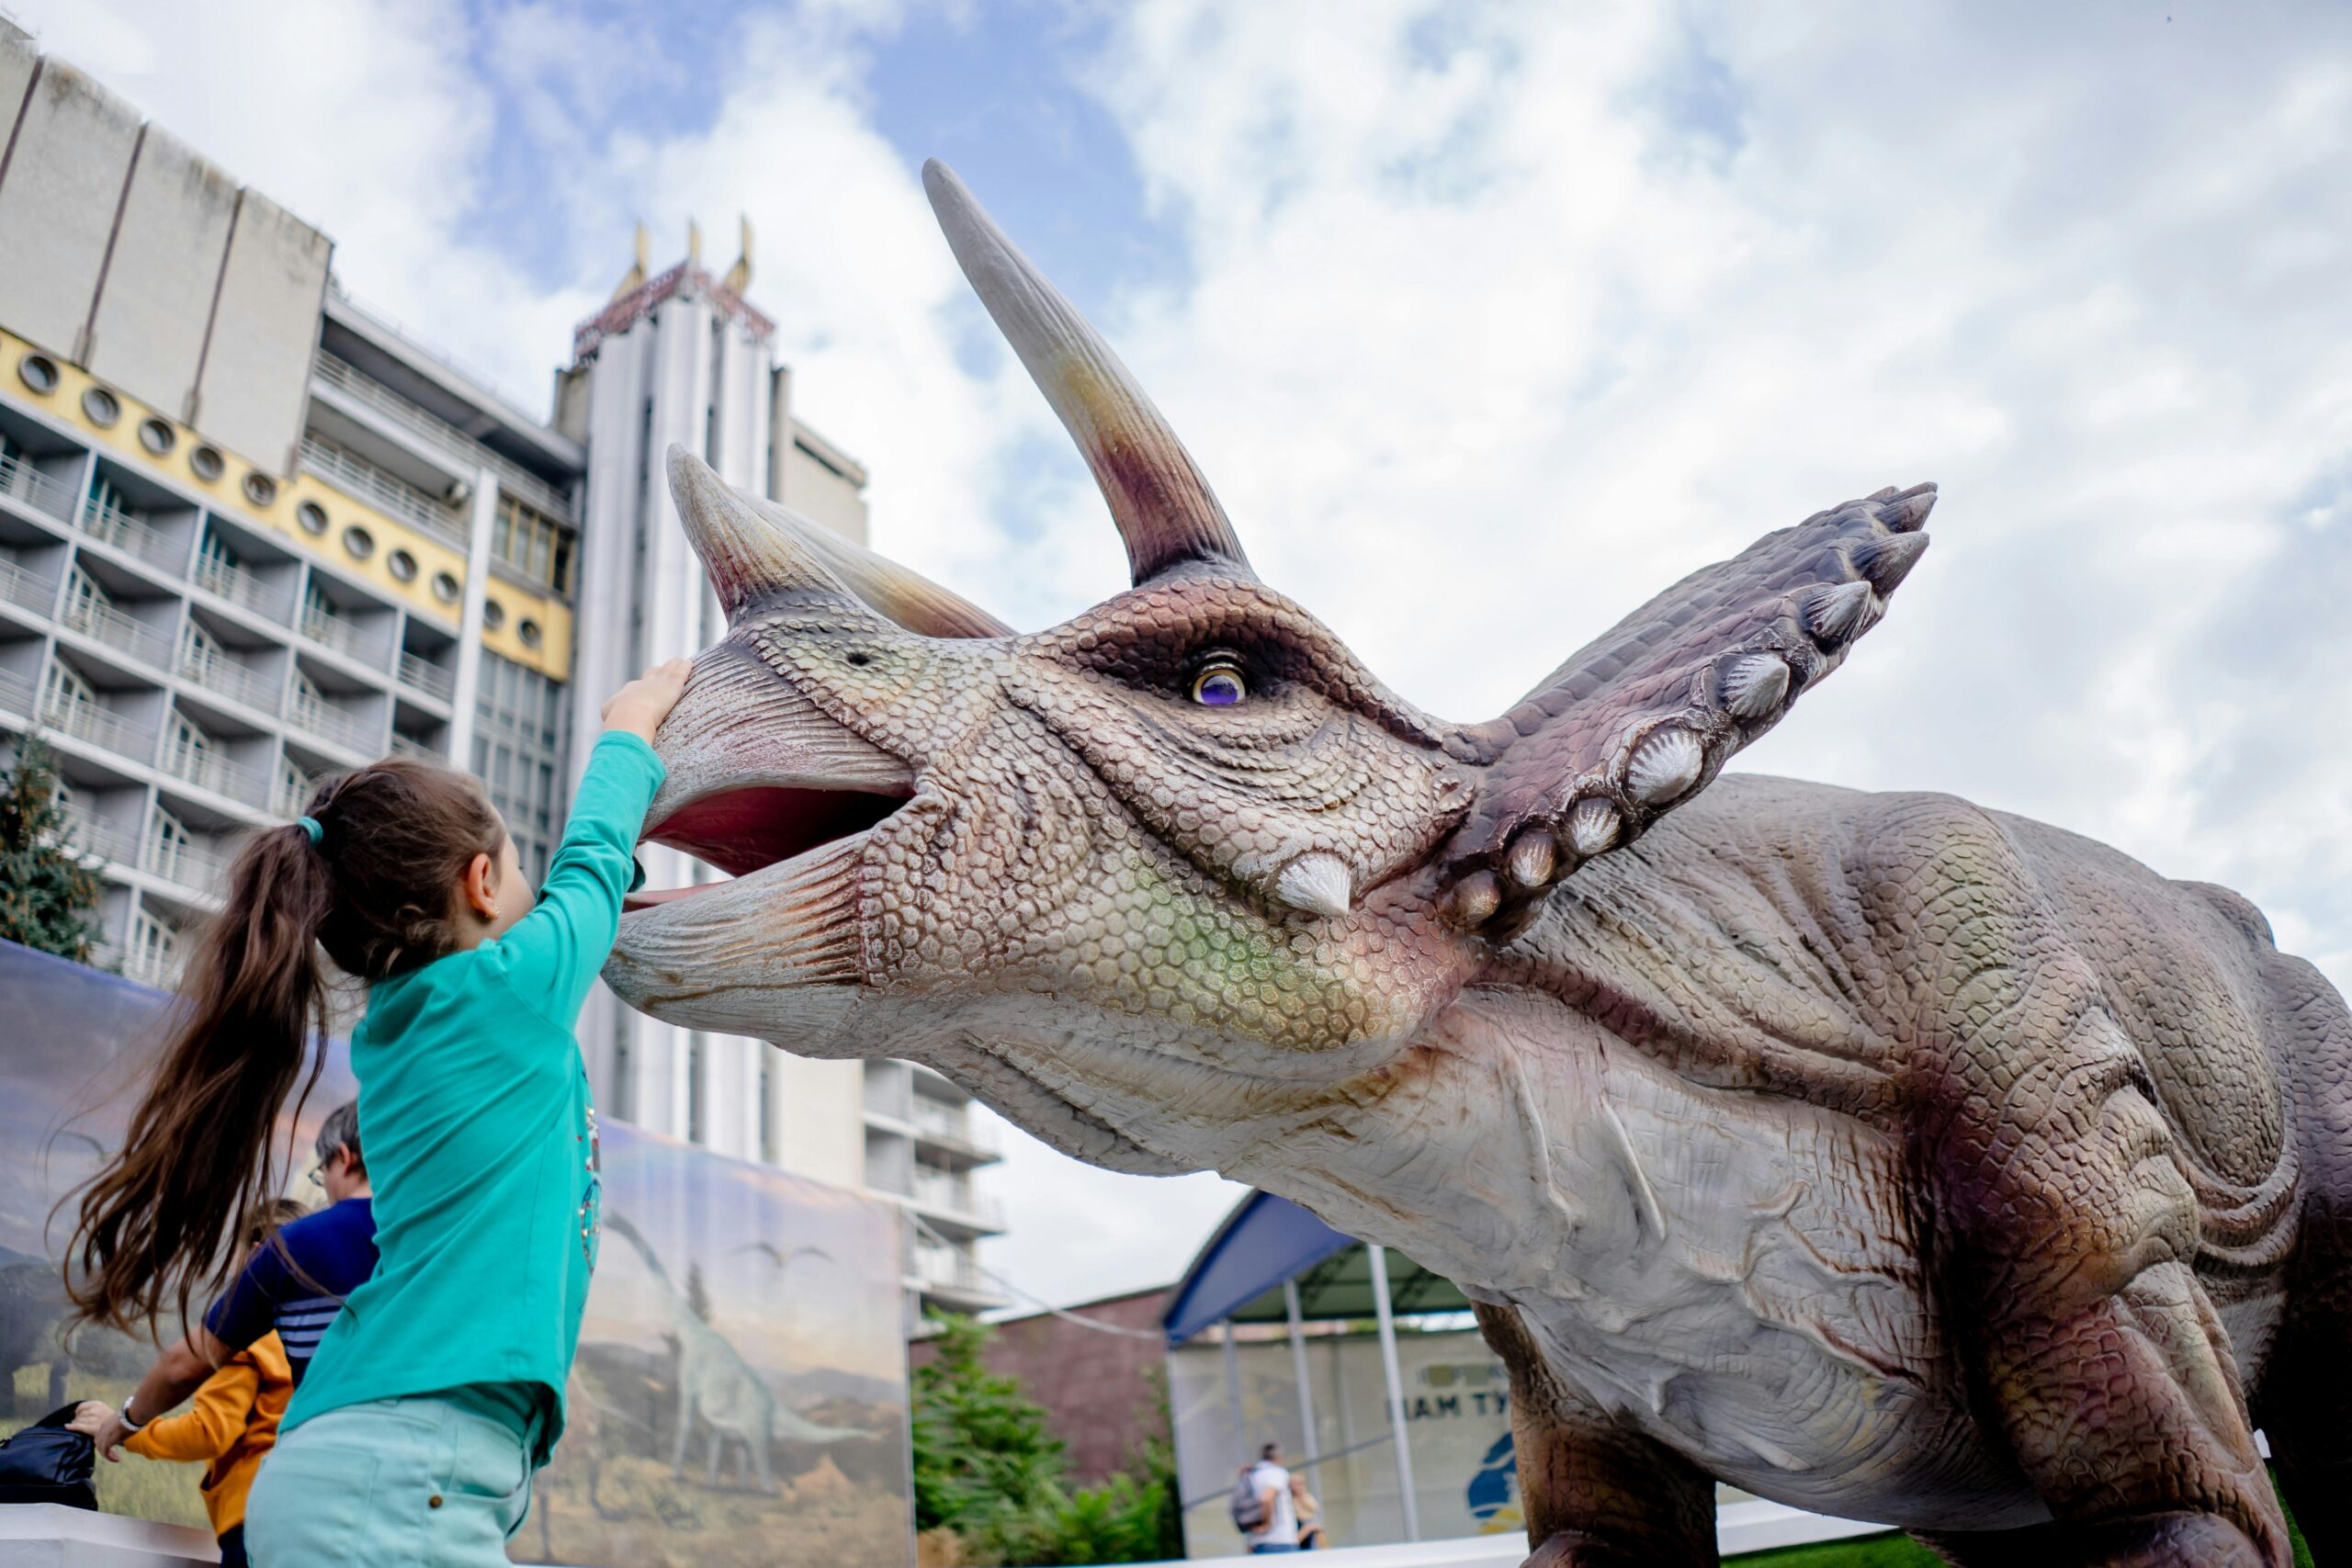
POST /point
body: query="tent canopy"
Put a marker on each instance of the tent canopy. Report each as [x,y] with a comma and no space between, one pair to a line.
[1266,1241]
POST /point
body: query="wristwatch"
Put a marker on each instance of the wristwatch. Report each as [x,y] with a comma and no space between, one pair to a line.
[123,1415]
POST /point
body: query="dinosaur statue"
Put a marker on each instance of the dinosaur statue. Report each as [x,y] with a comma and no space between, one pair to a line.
[718,1386]
[1882,1155]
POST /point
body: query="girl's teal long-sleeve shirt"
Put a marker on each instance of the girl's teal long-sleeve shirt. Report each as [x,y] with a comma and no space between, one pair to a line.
[480,1142]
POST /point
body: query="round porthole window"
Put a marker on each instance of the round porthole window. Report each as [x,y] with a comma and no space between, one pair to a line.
[157,437]
[260,489]
[493,614]
[445,587]
[528,630]
[207,463]
[38,371]
[402,565]
[312,516]
[359,542]
[102,407]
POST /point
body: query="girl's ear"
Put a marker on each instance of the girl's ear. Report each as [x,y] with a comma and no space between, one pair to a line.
[480,886]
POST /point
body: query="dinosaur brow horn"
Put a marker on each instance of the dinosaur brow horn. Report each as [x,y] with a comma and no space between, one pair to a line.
[1163,506]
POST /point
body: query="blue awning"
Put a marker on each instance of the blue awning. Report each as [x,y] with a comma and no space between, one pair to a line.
[1263,1242]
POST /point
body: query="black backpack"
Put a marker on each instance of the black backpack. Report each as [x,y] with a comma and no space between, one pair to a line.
[46,1463]
[1247,1505]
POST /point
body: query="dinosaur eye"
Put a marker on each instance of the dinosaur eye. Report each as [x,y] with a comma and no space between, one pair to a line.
[1219,686]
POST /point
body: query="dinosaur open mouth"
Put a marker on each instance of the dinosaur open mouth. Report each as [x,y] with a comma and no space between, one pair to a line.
[745,829]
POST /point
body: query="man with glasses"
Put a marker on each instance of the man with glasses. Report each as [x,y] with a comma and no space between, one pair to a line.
[294,1284]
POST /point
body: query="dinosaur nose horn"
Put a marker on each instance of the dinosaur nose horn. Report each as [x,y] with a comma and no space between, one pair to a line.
[1163,506]
[748,557]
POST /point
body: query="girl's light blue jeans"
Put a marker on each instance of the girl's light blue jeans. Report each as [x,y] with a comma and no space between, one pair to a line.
[419,1481]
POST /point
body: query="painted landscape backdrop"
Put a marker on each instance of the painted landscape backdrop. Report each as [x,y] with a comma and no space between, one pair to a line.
[740,1393]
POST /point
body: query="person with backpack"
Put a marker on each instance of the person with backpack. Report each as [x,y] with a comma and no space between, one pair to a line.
[438,1390]
[1260,1505]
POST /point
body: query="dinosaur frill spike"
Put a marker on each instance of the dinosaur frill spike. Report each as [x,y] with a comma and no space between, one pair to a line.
[1163,506]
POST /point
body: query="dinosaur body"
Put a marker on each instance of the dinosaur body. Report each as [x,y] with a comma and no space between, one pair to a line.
[1879,1154]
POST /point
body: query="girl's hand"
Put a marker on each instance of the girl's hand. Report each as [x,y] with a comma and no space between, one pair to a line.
[96,1419]
[641,706]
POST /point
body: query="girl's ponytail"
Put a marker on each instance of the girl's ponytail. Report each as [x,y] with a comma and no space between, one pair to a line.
[165,1215]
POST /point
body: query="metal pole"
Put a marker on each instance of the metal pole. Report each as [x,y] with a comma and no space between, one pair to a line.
[1306,1434]
[1396,1389]
[1233,1393]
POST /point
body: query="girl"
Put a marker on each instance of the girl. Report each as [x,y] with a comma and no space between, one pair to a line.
[438,1390]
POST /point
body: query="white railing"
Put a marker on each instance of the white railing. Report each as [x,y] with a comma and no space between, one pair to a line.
[391,492]
[92,837]
[331,723]
[948,1270]
[158,970]
[102,623]
[99,725]
[19,481]
[403,746]
[471,454]
[288,796]
[110,524]
[16,693]
[328,629]
[209,770]
[427,677]
[198,870]
[20,586]
[948,1198]
[225,579]
[953,1126]
[224,676]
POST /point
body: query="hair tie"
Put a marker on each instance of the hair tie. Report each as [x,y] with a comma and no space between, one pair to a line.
[310,829]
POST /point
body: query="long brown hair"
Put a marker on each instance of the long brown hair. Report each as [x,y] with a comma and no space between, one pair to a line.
[377,892]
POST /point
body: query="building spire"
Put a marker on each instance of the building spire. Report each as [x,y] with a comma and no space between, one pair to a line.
[634,278]
[739,276]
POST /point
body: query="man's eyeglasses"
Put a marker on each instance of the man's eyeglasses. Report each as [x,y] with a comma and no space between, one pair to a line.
[317,1175]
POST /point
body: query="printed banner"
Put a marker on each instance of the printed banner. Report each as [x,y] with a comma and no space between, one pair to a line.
[740,1394]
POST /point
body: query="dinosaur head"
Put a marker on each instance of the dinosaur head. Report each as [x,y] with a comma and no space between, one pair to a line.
[1174,868]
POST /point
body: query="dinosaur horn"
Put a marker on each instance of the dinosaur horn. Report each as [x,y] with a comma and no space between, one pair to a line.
[748,557]
[913,600]
[1164,508]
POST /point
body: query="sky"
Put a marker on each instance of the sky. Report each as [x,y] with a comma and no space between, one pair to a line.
[1487,320]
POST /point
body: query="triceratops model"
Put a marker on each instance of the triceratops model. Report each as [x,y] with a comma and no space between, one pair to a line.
[1879,1154]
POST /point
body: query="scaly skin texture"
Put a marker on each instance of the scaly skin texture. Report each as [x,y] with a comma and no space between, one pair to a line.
[1876,1153]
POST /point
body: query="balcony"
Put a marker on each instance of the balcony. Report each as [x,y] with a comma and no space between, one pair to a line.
[225,579]
[92,837]
[468,452]
[424,675]
[349,637]
[20,482]
[198,870]
[160,970]
[406,746]
[369,483]
[226,678]
[16,693]
[209,770]
[331,723]
[99,727]
[20,587]
[952,1127]
[126,634]
[110,524]
[958,1203]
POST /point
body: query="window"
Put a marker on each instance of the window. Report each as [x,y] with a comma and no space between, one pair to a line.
[186,748]
[402,565]
[65,693]
[697,1057]
[101,407]
[172,840]
[445,587]
[493,614]
[528,631]
[260,489]
[207,462]
[215,553]
[157,437]
[86,602]
[153,957]
[293,789]
[768,1151]
[312,516]
[519,727]
[38,371]
[359,542]
[533,544]
[106,498]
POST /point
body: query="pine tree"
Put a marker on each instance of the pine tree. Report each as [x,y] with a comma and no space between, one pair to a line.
[49,895]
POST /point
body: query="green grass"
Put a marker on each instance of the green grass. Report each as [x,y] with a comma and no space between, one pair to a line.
[1864,1552]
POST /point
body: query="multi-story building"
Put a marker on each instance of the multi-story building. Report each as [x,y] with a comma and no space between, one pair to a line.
[681,356]
[252,531]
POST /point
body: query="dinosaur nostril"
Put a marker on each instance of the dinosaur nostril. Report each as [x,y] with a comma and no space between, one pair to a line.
[860,659]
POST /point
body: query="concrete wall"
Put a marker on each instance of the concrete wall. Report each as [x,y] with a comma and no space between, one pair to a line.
[123,251]
[816,489]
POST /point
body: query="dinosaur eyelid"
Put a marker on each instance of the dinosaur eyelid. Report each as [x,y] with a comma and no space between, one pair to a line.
[1219,685]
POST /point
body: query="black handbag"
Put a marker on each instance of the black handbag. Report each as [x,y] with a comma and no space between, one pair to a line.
[46,1463]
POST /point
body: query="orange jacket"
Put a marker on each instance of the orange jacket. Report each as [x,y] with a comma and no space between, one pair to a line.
[231,1426]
